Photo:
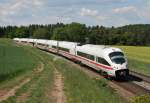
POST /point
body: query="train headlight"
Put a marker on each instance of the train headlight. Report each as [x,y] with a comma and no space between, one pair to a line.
[115,67]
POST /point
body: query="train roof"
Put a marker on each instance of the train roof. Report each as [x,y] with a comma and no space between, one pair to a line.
[16,39]
[32,40]
[42,41]
[51,42]
[68,45]
[23,39]
[99,50]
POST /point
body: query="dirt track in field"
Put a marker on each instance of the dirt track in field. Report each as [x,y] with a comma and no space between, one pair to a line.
[5,94]
[58,90]
[12,92]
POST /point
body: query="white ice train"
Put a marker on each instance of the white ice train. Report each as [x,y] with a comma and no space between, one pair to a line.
[110,61]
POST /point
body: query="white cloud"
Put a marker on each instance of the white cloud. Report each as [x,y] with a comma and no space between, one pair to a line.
[92,13]
[38,2]
[17,7]
[12,8]
[125,9]
[101,17]
[145,15]
[88,12]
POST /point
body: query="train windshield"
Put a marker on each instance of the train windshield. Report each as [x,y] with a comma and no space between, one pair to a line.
[118,60]
[116,54]
[117,57]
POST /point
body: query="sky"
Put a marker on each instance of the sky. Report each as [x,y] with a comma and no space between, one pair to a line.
[90,12]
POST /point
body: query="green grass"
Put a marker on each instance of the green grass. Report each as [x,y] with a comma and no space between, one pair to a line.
[141,99]
[14,60]
[27,59]
[80,88]
[138,57]
[39,88]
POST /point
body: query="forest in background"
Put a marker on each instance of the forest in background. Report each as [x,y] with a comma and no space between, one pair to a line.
[137,34]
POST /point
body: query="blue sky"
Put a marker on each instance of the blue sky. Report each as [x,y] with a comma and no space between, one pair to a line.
[91,12]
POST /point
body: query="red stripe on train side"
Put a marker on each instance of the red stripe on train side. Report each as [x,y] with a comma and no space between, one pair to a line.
[52,49]
[97,64]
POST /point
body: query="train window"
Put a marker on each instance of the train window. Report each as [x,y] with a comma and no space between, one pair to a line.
[54,46]
[88,56]
[91,57]
[64,49]
[116,54]
[102,61]
[118,60]
[81,54]
[41,44]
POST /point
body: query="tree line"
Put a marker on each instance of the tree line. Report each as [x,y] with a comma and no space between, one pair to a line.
[138,34]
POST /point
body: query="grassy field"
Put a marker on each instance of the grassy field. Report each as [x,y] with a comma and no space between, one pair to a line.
[139,58]
[19,63]
[14,60]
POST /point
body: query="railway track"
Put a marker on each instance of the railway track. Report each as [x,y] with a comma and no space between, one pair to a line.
[140,76]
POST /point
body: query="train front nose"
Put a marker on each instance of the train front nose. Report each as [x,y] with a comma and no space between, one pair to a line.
[120,66]
[122,70]
[122,73]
